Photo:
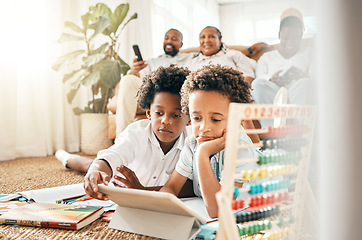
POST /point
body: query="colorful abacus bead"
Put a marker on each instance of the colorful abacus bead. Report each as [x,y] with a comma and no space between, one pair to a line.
[237,204]
[236,192]
[252,175]
[262,160]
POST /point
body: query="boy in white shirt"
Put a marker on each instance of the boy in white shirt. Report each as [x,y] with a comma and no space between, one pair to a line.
[206,95]
[146,152]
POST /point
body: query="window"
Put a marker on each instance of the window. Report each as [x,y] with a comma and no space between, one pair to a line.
[185,15]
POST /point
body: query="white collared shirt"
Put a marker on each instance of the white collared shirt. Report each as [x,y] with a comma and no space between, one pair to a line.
[165,60]
[138,149]
[225,57]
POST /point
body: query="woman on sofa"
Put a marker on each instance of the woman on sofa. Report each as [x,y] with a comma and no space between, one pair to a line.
[214,51]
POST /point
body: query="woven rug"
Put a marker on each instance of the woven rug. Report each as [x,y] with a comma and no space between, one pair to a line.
[44,172]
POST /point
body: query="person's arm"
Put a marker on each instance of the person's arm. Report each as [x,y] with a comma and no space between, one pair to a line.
[262,69]
[256,48]
[209,185]
[249,124]
[244,64]
[174,184]
[99,172]
[130,179]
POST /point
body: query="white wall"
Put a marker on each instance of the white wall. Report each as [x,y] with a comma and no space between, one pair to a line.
[340,100]
[188,16]
[238,21]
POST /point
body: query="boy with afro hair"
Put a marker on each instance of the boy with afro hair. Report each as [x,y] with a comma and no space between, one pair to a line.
[206,95]
[145,153]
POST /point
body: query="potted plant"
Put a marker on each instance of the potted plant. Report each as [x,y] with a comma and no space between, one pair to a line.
[101,66]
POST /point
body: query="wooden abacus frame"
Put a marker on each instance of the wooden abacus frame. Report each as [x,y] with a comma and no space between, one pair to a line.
[238,112]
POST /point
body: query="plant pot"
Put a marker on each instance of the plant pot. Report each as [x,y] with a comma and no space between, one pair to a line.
[94,133]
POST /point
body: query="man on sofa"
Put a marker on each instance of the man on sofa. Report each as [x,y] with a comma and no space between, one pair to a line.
[287,66]
[129,84]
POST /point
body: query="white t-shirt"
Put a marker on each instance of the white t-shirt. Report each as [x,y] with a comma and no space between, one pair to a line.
[164,61]
[225,57]
[138,149]
[272,62]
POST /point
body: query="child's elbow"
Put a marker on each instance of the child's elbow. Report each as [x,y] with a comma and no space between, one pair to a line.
[213,213]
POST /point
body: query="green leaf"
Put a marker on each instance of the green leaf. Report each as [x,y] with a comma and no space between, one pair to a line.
[102,23]
[73,26]
[79,111]
[124,66]
[66,37]
[111,73]
[93,59]
[70,75]
[76,83]
[100,9]
[100,49]
[134,16]
[91,79]
[68,58]
[98,105]
[85,21]
[71,94]
[118,16]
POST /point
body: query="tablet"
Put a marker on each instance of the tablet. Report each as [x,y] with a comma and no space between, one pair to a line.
[149,200]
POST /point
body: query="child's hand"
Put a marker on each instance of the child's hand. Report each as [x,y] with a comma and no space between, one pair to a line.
[91,181]
[213,146]
[130,179]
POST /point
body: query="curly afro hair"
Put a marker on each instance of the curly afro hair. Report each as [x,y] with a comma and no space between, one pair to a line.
[224,80]
[164,79]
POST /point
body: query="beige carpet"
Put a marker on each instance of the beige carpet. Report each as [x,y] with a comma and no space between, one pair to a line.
[34,173]
[44,172]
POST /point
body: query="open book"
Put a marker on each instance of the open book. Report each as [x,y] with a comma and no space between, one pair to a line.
[52,215]
[156,214]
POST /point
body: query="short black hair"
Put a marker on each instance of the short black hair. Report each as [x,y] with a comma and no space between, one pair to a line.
[292,22]
[164,79]
[176,31]
[225,80]
[218,32]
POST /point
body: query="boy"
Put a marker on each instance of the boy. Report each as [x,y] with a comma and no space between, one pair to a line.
[206,95]
[147,151]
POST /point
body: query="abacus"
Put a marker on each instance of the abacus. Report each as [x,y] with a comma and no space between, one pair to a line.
[279,183]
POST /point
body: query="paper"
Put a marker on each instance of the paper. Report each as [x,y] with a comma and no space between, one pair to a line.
[198,205]
[7,197]
[108,205]
[51,195]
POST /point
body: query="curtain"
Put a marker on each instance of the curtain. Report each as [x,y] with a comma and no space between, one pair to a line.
[35,118]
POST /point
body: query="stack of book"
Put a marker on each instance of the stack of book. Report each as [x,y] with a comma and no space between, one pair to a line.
[52,215]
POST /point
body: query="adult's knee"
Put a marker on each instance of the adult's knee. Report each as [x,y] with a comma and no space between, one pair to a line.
[260,83]
[129,82]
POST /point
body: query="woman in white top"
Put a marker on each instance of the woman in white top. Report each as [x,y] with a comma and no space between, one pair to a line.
[213,51]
